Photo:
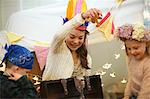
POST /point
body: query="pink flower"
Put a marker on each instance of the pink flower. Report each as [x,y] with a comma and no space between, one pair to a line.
[136,32]
[125,31]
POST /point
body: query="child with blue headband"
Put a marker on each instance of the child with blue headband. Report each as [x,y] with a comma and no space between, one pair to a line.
[13,81]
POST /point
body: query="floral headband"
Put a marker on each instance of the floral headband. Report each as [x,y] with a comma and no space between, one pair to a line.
[133,32]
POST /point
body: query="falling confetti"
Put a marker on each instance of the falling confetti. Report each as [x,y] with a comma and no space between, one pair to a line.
[124,81]
[107,66]
[117,56]
[112,74]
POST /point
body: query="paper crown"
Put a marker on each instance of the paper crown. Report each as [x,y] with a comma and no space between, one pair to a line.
[133,32]
[75,7]
[19,56]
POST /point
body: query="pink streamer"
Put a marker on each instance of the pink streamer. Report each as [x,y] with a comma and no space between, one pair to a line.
[78,6]
[41,54]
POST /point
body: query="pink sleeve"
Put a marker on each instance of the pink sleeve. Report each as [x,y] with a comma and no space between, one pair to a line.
[127,92]
[145,86]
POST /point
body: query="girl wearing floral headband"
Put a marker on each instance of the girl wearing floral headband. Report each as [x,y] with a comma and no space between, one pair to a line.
[137,43]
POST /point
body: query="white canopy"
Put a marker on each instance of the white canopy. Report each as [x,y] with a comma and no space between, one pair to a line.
[40,24]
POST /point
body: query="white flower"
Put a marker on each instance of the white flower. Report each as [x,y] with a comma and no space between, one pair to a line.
[138,32]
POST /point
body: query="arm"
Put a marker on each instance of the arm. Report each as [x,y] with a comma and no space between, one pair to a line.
[145,86]
[65,30]
[25,89]
[127,92]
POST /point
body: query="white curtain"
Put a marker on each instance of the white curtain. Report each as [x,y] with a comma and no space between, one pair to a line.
[146,13]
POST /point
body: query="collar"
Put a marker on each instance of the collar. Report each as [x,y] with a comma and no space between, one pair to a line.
[6,74]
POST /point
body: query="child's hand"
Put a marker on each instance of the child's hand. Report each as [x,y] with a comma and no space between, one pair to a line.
[125,98]
[38,89]
[92,14]
[15,76]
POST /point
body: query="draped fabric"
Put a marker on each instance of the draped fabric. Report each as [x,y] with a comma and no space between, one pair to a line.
[146,13]
[41,23]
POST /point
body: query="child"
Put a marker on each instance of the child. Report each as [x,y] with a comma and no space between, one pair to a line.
[137,43]
[68,56]
[13,82]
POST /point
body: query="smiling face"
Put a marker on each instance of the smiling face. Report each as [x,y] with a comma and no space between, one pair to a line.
[75,39]
[135,48]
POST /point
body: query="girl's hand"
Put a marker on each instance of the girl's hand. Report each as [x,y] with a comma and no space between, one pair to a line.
[93,14]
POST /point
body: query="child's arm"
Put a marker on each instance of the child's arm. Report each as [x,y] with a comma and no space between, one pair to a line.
[145,86]
[127,92]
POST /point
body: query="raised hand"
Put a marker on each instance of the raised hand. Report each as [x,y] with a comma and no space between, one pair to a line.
[92,14]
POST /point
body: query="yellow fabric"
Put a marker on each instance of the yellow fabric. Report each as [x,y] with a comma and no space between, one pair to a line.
[120,1]
[38,43]
[106,28]
[84,7]
[13,38]
[71,9]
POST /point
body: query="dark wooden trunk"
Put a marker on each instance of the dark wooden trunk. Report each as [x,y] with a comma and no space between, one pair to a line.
[54,89]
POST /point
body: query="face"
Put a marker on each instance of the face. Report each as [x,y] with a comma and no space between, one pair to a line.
[75,39]
[22,71]
[136,49]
